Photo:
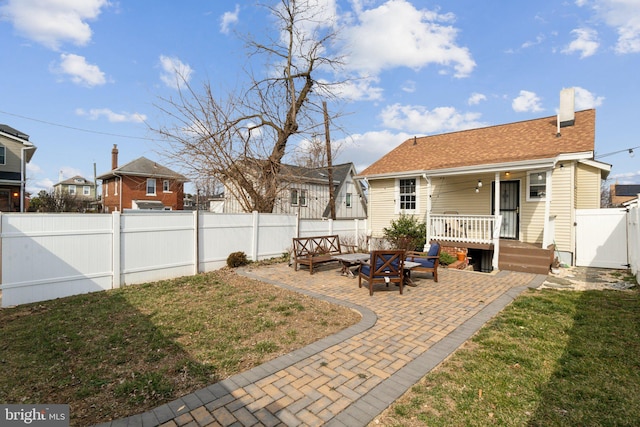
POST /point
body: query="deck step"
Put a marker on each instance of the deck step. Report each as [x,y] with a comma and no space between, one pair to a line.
[526,260]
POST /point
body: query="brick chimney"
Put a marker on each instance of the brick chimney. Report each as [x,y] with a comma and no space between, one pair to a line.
[114,157]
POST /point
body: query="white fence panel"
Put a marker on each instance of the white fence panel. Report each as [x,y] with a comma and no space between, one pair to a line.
[222,234]
[47,256]
[601,238]
[633,231]
[157,246]
[274,234]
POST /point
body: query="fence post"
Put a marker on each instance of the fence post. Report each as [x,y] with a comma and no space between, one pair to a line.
[330,226]
[356,226]
[254,239]
[196,241]
[115,263]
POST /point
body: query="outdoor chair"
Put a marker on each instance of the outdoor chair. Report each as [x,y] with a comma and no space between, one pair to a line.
[383,267]
[428,261]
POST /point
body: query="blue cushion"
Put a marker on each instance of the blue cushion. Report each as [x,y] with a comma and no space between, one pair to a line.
[425,262]
[433,250]
[365,268]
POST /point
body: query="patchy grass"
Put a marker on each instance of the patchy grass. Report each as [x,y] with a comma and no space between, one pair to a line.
[551,358]
[117,353]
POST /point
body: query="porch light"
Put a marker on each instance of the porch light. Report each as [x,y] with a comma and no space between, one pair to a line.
[477,190]
[507,173]
[479,185]
[539,177]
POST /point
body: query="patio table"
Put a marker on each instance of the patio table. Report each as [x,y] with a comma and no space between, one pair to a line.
[348,260]
[408,266]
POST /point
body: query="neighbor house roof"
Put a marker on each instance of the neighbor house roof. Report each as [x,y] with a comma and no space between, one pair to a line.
[513,142]
[145,168]
[75,180]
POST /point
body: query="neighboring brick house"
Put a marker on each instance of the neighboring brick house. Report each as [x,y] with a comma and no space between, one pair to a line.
[622,193]
[15,152]
[141,184]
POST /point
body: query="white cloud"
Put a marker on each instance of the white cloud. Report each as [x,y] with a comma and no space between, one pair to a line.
[409,86]
[363,89]
[96,113]
[364,149]
[415,118]
[539,39]
[80,72]
[526,102]
[585,42]
[585,99]
[174,71]
[476,98]
[396,34]
[52,23]
[228,19]
[624,17]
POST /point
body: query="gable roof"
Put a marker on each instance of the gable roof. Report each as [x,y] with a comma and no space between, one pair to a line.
[145,168]
[512,142]
[21,137]
[74,181]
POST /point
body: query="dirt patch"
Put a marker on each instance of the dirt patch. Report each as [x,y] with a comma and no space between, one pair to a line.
[589,278]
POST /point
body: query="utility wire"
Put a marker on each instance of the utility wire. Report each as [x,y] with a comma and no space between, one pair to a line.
[78,129]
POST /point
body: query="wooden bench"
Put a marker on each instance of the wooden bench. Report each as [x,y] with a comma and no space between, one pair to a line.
[315,250]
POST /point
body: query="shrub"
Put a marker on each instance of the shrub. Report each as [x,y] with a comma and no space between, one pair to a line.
[237,259]
[407,232]
[446,258]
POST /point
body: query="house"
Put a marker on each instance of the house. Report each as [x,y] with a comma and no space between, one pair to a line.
[497,190]
[141,184]
[305,191]
[81,189]
[622,193]
[15,152]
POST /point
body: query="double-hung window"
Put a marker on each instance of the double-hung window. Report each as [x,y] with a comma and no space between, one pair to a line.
[166,186]
[86,190]
[348,200]
[72,190]
[3,155]
[408,196]
[151,187]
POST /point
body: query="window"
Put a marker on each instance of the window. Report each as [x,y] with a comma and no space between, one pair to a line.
[86,190]
[348,200]
[408,194]
[72,190]
[2,155]
[536,186]
[165,186]
[298,197]
[151,187]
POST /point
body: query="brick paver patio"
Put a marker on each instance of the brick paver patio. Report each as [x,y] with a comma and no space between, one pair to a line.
[349,378]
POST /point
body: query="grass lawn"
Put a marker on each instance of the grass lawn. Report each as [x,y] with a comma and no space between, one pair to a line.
[117,353]
[552,358]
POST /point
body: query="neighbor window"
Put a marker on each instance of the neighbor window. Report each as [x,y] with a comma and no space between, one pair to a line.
[165,186]
[86,190]
[407,194]
[151,187]
[536,186]
[348,200]
[298,197]
[2,155]
[72,190]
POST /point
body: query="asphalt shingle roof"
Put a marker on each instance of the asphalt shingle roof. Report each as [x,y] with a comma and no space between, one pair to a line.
[512,142]
[144,167]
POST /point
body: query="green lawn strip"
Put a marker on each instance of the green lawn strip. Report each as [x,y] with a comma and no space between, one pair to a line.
[550,358]
[116,353]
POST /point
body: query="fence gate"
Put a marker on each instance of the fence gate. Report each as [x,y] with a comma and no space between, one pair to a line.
[601,238]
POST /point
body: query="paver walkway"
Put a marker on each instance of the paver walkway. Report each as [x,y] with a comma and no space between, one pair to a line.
[349,378]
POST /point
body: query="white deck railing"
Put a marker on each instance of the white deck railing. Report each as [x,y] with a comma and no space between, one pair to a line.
[464,228]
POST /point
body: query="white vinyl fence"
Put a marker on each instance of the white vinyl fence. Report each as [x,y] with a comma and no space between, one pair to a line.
[633,236]
[47,256]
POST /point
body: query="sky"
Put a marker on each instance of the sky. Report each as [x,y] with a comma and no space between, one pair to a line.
[78,76]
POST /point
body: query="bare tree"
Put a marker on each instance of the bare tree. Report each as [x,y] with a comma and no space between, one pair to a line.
[241,138]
